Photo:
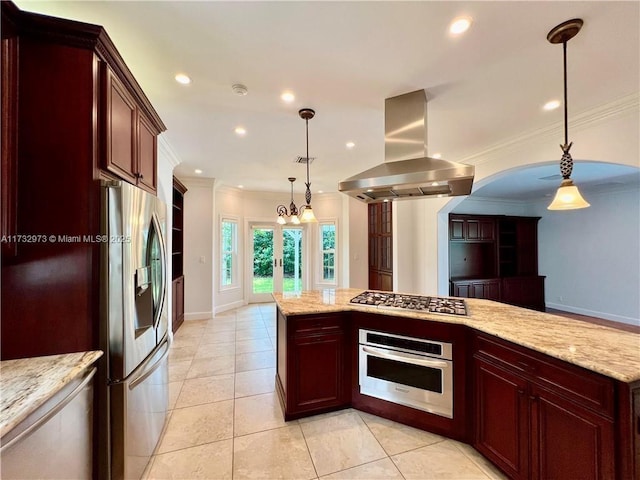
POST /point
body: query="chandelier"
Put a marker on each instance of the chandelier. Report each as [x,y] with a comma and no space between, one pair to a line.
[568,196]
[292,213]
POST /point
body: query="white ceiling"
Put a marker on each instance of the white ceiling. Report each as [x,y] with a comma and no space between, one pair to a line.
[343,59]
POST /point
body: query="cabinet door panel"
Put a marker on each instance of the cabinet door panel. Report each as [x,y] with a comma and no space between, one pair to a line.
[120,135]
[147,158]
[571,441]
[502,418]
[456,229]
[318,370]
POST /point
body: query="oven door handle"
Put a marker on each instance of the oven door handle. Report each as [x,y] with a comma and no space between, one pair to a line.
[405,357]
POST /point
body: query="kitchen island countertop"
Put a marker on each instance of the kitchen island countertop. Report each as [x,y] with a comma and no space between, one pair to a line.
[609,351]
[27,383]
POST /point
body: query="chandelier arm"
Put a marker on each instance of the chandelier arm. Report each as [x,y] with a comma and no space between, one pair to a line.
[282,210]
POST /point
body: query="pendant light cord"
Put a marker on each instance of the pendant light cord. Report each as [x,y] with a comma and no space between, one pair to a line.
[307,194]
[566,121]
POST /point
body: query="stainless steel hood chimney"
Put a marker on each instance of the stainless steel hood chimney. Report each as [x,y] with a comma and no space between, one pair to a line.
[407,172]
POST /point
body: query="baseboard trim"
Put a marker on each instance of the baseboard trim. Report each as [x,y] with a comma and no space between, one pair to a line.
[592,313]
[197,316]
[229,306]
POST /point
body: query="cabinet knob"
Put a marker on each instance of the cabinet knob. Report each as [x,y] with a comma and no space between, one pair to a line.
[520,391]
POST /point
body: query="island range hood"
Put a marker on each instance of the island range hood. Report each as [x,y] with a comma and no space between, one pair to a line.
[407,172]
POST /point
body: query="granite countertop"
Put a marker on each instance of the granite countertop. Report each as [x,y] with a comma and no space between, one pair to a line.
[609,351]
[27,383]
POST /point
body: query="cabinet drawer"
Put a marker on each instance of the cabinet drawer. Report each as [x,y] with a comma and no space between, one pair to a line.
[317,324]
[581,386]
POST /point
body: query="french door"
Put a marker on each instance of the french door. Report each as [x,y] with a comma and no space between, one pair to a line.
[277,260]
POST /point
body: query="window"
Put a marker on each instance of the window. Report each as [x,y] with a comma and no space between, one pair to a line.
[229,252]
[328,242]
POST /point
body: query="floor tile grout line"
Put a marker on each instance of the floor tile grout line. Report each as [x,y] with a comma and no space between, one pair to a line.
[306,444]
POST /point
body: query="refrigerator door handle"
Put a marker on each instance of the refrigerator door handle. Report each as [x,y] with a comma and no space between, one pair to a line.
[143,367]
[148,371]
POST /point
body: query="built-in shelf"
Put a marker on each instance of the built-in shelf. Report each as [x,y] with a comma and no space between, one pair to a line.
[177,253]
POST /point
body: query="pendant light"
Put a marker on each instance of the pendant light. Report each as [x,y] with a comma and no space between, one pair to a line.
[306,210]
[292,212]
[568,196]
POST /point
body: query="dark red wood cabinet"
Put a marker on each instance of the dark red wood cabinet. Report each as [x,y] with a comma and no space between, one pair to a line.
[539,418]
[177,254]
[131,139]
[380,246]
[312,363]
[54,120]
[495,257]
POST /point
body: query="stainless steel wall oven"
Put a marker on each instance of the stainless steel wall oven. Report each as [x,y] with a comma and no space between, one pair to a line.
[409,371]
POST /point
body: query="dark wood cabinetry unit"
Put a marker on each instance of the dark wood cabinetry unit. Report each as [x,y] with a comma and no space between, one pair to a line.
[537,417]
[312,363]
[131,151]
[495,257]
[53,119]
[380,246]
[177,254]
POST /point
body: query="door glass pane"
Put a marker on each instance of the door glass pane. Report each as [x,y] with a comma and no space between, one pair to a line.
[328,234]
[262,260]
[292,259]
[156,262]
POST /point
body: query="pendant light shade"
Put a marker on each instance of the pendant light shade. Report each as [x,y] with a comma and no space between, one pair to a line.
[568,196]
[307,212]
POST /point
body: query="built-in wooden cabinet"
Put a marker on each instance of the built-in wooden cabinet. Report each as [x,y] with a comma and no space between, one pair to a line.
[540,418]
[496,258]
[177,254]
[479,288]
[312,363]
[56,101]
[131,146]
[380,246]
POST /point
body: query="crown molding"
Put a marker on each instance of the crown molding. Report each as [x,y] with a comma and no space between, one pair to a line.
[606,112]
[165,150]
[198,181]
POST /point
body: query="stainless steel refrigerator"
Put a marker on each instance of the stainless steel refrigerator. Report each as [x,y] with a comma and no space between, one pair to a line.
[135,333]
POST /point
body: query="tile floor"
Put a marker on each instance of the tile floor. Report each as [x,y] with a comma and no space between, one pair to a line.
[226,423]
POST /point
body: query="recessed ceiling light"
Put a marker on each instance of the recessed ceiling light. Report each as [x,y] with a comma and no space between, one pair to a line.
[241,131]
[436,155]
[320,191]
[240,186]
[435,184]
[287,97]
[183,79]
[551,105]
[459,25]
[350,145]
[198,171]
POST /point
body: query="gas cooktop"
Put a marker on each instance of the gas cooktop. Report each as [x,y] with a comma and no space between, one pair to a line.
[444,305]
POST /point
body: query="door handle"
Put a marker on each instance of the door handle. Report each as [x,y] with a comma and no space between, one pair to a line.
[275,262]
[280,262]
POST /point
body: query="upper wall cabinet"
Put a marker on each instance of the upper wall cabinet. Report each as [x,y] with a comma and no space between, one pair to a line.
[131,151]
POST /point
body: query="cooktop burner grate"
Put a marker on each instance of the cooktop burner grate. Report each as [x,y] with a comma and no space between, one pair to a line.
[444,305]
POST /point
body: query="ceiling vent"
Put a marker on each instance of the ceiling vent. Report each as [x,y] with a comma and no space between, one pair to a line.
[303,160]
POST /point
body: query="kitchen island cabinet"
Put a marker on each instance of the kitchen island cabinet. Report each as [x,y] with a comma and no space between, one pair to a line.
[543,396]
[538,418]
[312,371]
